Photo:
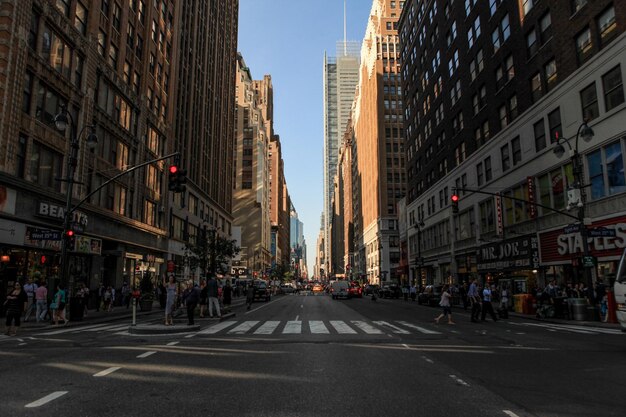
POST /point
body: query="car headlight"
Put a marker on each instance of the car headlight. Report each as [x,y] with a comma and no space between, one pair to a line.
[621,306]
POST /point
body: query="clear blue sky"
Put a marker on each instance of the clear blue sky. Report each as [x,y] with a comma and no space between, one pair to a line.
[287,39]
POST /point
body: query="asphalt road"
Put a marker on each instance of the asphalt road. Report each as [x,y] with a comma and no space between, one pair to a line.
[306,355]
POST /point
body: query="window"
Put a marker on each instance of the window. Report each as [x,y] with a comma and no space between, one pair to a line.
[527,5]
[545,23]
[554,124]
[613,91]
[149,213]
[606,171]
[535,87]
[48,104]
[28,92]
[64,7]
[513,107]
[480,174]
[102,40]
[80,20]
[56,52]
[45,166]
[33,30]
[505,27]
[495,38]
[577,5]
[117,13]
[139,49]
[505,157]
[550,74]
[583,45]
[488,173]
[20,156]
[510,69]
[487,216]
[607,24]
[503,117]
[540,135]
[589,102]
[113,56]
[130,37]
[531,43]
[516,150]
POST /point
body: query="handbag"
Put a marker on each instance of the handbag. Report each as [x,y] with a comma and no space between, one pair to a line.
[53,306]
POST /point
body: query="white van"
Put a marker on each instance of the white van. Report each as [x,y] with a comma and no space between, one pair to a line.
[339,289]
[620,291]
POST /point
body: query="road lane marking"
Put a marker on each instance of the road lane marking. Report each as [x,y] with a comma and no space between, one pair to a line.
[418,328]
[428,359]
[172,343]
[46,399]
[510,413]
[297,317]
[293,327]
[318,327]
[395,329]
[146,354]
[268,327]
[341,327]
[366,327]
[406,346]
[459,380]
[108,371]
[22,344]
[244,327]
[99,329]
[264,305]
[68,330]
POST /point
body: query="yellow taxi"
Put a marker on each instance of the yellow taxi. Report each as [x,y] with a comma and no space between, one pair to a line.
[318,288]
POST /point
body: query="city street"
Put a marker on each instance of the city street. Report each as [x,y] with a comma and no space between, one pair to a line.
[309,355]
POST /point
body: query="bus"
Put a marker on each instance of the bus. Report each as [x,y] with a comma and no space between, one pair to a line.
[620,291]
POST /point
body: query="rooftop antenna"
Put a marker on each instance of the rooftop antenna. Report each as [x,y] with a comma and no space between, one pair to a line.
[345,37]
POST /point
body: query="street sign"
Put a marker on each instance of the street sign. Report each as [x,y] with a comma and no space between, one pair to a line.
[602,232]
[171,266]
[44,234]
[571,228]
[589,261]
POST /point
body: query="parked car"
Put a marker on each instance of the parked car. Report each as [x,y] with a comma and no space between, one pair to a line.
[340,289]
[369,289]
[355,290]
[391,291]
[261,291]
[430,296]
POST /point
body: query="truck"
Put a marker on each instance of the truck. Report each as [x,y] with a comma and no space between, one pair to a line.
[620,291]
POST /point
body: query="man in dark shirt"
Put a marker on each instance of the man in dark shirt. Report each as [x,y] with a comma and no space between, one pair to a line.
[15,305]
[212,292]
[190,298]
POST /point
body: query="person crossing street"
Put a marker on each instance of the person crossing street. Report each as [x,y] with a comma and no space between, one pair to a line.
[487,306]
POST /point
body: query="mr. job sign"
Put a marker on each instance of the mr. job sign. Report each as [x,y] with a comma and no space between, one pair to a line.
[510,254]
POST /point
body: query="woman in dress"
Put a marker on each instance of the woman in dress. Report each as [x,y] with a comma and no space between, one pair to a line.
[170,290]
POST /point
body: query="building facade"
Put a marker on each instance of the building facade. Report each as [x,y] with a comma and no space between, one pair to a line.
[280,203]
[377,121]
[102,62]
[254,126]
[500,86]
[205,123]
[341,76]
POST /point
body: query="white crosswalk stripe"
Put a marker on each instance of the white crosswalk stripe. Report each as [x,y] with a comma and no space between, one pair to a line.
[243,327]
[366,327]
[395,329]
[570,328]
[318,327]
[342,327]
[267,328]
[293,327]
[217,327]
[419,328]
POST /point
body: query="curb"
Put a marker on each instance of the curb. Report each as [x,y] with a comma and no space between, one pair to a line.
[161,329]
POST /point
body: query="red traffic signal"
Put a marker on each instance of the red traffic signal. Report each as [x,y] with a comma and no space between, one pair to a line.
[454,198]
[173,169]
[69,233]
[455,203]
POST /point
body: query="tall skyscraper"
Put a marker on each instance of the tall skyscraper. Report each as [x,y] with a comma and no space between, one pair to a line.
[341,76]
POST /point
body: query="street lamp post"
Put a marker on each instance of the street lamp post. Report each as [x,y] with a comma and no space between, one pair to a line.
[61,122]
[576,192]
[380,261]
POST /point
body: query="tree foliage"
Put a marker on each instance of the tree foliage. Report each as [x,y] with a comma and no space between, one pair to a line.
[212,252]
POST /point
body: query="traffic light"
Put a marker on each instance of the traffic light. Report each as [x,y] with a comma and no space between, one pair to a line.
[455,203]
[177,179]
[70,239]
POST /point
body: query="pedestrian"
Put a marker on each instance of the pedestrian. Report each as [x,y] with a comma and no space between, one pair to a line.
[41,299]
[504,302]
[15,305]
[213,293]
[227,293]
[81,294]
[112,298]
[487,307]
[204,297]
[463,294]
[191,295]
[59,301]
[250,294]
[405,293]
[30,288]
[85,300]
[126,294]
[474,299]
[413,291]
[445,304]
[100,296]
[106,299]
[170,290]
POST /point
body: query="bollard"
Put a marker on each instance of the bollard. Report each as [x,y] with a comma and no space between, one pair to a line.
[134,311]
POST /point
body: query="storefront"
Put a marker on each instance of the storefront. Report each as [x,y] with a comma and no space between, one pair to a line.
[562,250]
[511,262]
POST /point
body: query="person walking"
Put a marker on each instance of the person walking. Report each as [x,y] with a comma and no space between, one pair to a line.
[204,297]
[126,294]
[191,295]
[487,306]
[250,294]
[445,304]
[106,304]
[29,288]
[59,303]
[170,300]
[213,293]
[413,292]
[463,294]
[227,294]
[100,296]
[474,299]
[15,305]
[504,302]
[41,299]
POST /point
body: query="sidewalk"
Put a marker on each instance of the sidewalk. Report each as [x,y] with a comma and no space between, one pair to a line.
[565,321]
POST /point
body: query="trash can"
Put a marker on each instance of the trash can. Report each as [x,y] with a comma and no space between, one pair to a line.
[76,309]
[593,313]
[579,308]
[518,301]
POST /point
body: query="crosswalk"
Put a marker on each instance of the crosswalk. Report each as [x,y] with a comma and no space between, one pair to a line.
[107,327]
[315,327]
[570,328]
